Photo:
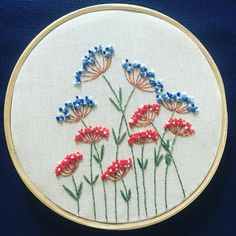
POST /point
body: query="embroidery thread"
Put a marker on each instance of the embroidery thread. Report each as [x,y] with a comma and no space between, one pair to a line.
[76,110]
[67,167]
[92,135]
[94,65]
[117,171]
[141,77]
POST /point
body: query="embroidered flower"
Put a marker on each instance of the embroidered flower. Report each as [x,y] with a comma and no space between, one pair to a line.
[144,115]
[143,137]
[92,134]
[76,110]
[178,102]
[117,170]
[179,127]
[69,164]
[95,63]
[140,77]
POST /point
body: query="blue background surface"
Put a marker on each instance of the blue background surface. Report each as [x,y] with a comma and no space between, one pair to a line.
[213,213]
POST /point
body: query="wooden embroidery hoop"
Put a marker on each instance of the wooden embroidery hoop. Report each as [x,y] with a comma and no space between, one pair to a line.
[44,199]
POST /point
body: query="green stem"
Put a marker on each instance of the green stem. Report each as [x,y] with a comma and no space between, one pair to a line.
[76,189]
[155,168]
[155,174]
[91,178]
[166,172]
[131,147]
[144,187]
[127,202]
[115,184]
[117,147]
[84,123]
[103,184]
[176,168]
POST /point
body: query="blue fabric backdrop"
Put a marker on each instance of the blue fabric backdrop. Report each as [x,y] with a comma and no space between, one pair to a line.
[213,213]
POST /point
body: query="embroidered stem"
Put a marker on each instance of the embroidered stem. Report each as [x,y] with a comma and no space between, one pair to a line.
[144,187]
[91,177]
[76,190]
[131,147]
[182,187]
[176,168]
[155,173]
[84,123]
[118,145]
[103,183]
[155,166]
[127,201]
[75,195]
[166,172]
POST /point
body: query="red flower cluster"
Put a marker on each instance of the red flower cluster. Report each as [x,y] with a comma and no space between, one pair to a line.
[117,170]
[69,164]
[144,115]
[143,137]
[92,134]
[179,127]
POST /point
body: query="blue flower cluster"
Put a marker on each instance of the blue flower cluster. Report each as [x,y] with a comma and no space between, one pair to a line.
[92,58]
[74,105]
[177,97]
[145,73]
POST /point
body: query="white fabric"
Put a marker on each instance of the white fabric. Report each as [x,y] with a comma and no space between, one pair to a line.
[45,82]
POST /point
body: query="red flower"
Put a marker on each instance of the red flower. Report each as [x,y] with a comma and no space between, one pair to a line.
[69,164]
[92,134]
[144,115]
[117,170]
[143,137]
[179,127]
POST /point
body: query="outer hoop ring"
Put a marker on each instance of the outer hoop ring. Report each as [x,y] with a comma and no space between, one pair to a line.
[44,199]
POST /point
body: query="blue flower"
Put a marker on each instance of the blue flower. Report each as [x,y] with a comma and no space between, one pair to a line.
[177,102]
[74,111]
[141,77]
[94,64]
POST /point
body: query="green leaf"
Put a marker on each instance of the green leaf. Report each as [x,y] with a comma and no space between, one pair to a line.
[116,106]
[120,95]
[122,138]
[114,135]
[168,159]
[166,145]
[87,180]
[145,164]
[70,192]
[102,152]
[79,190]
[95,179]
[140,163]
[129,195]
[158,160]
[97,159]
[123,195]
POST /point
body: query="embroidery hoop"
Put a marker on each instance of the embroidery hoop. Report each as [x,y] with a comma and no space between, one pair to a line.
[40,195]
